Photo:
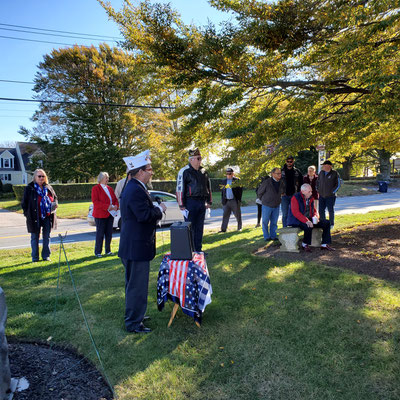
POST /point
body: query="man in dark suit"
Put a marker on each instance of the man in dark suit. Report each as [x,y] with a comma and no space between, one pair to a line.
[137,245]
[231,197]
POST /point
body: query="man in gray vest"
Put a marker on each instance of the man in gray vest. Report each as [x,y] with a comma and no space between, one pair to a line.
[328,183]
[231,198]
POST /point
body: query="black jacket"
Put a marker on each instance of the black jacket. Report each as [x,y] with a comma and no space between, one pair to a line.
[139,221]
[193,183]
[31,209]
[293,179]
[236,189]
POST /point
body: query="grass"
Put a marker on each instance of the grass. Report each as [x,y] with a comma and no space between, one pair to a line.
[274,330]
[79,208]
[66,209]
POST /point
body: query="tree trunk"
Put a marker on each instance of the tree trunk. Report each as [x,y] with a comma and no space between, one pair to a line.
[384,164]
[346,168]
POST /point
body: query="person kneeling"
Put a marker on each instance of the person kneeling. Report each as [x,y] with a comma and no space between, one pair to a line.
[303,214]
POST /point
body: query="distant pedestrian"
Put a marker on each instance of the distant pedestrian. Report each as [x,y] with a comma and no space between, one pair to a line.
[259,203]
[105,206]
[311,179]
[39,204]
[303,214]
[270,193]
[193,192]
[231,198]
[293,179]
[328,183]
[121,184]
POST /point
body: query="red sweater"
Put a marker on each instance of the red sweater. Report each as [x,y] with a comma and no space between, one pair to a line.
[101,202]
[294,205]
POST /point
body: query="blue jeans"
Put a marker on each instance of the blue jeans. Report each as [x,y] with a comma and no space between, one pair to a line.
[329,203]
[45,226]
[285,209]
[269,216]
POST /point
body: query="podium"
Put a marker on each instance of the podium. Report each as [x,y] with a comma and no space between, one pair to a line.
[181,241]
[186,283]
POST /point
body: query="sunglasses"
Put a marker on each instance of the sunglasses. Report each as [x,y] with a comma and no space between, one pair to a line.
[290,161]
[41,176]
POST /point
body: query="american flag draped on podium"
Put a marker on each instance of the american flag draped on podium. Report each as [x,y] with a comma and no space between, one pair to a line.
[185,282]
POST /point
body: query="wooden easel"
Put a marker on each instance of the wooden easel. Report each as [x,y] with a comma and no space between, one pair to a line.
[173,313]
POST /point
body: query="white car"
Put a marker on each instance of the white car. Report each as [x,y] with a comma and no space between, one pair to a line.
[171,215]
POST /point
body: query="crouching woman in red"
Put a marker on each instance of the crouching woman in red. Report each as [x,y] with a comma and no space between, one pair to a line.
[39,204]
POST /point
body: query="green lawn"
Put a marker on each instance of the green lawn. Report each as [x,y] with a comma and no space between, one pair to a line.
[274,330]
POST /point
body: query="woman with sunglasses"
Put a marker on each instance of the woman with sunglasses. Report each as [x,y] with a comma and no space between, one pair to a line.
[39,205]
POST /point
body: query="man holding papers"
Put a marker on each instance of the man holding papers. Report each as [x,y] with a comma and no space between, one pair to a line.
[193,192]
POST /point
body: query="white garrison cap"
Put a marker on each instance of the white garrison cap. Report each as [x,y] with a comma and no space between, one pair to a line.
[137,161]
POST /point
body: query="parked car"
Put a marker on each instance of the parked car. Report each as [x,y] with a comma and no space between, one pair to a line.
[171,215]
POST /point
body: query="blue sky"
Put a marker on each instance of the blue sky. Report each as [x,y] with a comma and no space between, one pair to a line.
[21,57]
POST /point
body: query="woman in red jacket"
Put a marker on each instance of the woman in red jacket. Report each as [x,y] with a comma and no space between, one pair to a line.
[105,204]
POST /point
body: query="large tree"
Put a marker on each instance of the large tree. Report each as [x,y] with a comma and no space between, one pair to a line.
[287,73]
[94,111]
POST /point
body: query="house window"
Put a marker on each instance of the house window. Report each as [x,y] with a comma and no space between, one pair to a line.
[8,163]
[5,177]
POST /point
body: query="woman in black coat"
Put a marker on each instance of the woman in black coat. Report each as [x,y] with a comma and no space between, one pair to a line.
[39,204]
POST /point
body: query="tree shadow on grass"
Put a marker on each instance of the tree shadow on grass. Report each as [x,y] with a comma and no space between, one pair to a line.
[273,330]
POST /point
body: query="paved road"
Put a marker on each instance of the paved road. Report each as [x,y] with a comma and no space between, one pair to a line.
[13,232]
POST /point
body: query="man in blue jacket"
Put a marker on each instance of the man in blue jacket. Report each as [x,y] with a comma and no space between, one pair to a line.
[137,246]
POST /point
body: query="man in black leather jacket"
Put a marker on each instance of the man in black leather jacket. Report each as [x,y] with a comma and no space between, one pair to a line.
[193,192]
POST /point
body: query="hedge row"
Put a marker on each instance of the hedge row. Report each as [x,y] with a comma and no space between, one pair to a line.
[82,191]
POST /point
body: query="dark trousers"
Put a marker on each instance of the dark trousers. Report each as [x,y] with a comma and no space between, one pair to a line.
[136,291]
[197,213]
[329,203]
[285,203]
[231,206]
[326,232]
[259,213]
[45,226]
[104,228]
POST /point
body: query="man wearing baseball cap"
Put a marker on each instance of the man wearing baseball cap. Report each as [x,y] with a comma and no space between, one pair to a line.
[328,183]
[193,192]
[231,198]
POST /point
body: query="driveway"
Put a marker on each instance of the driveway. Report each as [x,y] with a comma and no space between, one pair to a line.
[13,233]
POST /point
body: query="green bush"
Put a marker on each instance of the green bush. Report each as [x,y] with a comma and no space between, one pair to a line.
[7,188]
[65,191]
[83,191]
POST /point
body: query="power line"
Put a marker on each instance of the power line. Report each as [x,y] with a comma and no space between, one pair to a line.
[85,103]
[9,81]
[37,41]
[52,34]
[52,30]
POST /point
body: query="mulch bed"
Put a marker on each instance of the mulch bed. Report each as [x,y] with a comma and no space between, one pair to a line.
[55,374]
[372,249]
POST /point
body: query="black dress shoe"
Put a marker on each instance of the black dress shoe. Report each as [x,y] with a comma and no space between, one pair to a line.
[140,329]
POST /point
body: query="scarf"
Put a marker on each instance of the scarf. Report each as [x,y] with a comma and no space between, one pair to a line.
[45,202]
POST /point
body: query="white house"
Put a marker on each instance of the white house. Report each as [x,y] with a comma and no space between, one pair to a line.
[15,163]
